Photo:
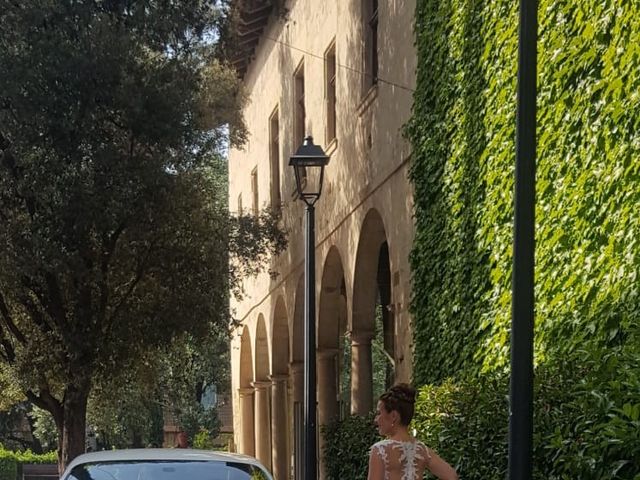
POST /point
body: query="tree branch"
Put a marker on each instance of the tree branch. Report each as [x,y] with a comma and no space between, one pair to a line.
[36,315]
[55,296]
[9,354]
[47,402]
[110,246]
[10,163]
[140,271]
[15,331]
[44,301]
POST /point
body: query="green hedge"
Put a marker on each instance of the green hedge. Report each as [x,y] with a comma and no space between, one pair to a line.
[586,423]
[346,447]
[10,461]
[8,466]
[462,133]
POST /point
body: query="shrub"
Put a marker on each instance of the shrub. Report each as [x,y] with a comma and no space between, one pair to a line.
[30,457]
[467,424]
[346,447]
[9,461]
[586,420]
[8,465]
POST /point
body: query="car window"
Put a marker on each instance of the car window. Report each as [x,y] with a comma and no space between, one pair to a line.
[166,470]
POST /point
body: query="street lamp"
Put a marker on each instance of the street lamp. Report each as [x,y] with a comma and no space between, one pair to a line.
[308,163]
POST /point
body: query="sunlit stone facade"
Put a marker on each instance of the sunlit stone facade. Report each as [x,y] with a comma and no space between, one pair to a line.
[342,71]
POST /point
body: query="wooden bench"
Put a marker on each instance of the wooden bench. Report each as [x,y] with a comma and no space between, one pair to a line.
[44,471]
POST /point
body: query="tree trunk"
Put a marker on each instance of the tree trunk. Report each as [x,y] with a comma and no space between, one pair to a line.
[36,446]
[72,428]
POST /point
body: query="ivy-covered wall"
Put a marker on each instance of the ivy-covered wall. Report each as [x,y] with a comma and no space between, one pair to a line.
[588,180]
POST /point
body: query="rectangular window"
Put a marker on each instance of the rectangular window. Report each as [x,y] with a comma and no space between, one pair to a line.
[274,159]
[254,190]
[300,113]
[370,42]
[240,204]
[330,88]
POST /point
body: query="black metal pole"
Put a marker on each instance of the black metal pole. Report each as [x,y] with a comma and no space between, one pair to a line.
[521,391]
[310,449]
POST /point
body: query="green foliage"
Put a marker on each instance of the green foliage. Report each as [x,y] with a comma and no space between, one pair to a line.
[116,236]
[9,461]
[8,465]
[451,260]
[588,224]
[203,440]
[463,137]
[29,457]
[466,422]
[588,416]
[44,428]
[586,420]
[346,447]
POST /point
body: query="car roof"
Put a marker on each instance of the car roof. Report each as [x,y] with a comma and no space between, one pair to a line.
[163,454]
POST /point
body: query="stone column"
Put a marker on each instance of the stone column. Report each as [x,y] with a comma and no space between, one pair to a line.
[327,385]
[263,424]
[247,435]
[327,397]
[361,373]
[297,384]
[279,430]
[297,398]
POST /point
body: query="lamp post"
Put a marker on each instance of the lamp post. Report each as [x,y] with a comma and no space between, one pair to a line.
[308,163]
[523,299]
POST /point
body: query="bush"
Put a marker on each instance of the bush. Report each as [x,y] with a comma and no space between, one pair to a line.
[30,457]
[9,461]
[586,420]
[346,447]
[8,465]
[467,424]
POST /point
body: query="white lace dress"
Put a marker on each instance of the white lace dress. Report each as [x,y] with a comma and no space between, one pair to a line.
[402,460]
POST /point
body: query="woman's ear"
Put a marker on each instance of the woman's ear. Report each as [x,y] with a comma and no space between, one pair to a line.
[395,417]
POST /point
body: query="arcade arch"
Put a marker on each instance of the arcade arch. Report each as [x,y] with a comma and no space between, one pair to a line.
[371,313]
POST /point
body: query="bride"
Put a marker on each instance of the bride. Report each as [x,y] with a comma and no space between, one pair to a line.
[400,456]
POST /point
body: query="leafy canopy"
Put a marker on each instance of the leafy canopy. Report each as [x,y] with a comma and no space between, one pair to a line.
[115,231]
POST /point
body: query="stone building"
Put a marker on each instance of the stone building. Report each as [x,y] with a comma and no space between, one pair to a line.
[342,71]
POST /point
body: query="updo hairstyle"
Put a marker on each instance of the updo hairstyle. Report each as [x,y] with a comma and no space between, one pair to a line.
[401,398]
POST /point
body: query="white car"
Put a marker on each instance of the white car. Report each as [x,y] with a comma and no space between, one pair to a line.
[164,464]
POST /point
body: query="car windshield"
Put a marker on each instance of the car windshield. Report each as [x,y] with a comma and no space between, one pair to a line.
[167,470]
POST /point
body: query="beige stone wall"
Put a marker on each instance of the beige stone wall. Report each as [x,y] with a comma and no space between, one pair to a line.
[367,200]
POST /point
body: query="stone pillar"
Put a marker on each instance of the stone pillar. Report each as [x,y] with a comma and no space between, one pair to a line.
[247,435]
[297,400]
[327,397]
[263,424]
[327,386]
[361,373]
[279,427]
[297,384]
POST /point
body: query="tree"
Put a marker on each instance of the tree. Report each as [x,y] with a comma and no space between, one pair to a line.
[127,410]
[115,234]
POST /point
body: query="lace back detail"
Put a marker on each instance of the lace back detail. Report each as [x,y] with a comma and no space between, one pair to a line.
[403,456]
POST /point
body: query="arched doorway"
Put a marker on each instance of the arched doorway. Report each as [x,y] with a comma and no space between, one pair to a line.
[332,326]
[246,391]
[279,381]
[262,386]
[372,321]
[296,373]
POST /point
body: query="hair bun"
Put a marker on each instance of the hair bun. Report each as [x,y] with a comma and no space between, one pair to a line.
[404,392]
